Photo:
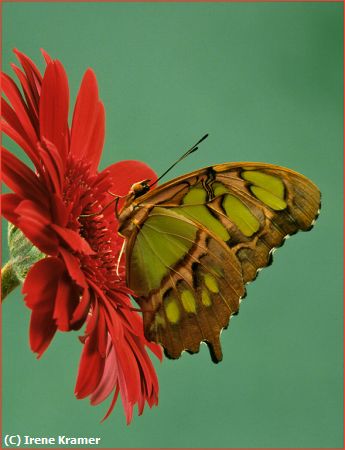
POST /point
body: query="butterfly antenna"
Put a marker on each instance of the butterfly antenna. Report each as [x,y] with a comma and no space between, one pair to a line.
[187,153]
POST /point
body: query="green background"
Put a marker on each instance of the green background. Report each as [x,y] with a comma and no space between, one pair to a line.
[265,80]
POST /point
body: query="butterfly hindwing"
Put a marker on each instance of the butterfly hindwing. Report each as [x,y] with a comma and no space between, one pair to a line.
[199,238]
[189,283]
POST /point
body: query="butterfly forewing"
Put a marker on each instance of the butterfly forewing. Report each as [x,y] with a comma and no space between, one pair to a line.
[199,238]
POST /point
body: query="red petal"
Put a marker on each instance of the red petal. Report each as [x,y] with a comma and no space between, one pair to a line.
[36,226]
[73,268]
[21,141]
[66,300]
[92,318]
[21,179]
[90,369]
[129,366]
[73,239]
[87,115]
[12,126]
[29,97]
[81,311]
[95,145]
[109,377]
[40,297]
[136,326]
[102,334]
[46,56]
[54,106]
[156,349]
[40,291]
[111,407]
[126,403]
[9,203]
[28,65]
[19,106]
[125,358]
[59,210]
[53,164]
[33,76]
[115,324]
[42,330]
[144,362]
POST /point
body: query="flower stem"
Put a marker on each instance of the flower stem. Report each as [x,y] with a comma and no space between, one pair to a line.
[9,280]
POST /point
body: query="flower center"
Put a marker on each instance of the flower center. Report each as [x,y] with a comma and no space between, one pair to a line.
[85,196]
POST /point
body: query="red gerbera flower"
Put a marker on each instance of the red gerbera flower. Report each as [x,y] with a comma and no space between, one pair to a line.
[60,209]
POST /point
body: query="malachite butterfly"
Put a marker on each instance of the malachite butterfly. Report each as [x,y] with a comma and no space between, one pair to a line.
[194,242]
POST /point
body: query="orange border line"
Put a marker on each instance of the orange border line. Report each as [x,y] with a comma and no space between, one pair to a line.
[172,1]
[344,232]
[184,1]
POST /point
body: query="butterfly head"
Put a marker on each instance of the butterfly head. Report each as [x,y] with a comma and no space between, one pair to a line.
[140,188]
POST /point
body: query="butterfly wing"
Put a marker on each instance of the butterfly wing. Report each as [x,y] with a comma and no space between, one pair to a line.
[199,238]
[188,282]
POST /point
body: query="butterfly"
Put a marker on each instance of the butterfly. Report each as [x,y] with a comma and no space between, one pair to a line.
[194,242]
